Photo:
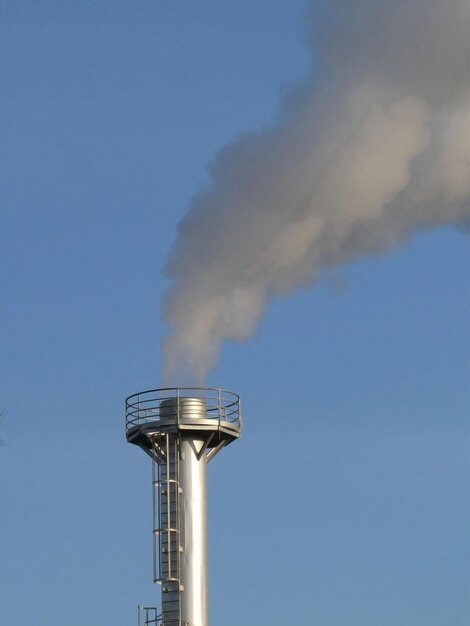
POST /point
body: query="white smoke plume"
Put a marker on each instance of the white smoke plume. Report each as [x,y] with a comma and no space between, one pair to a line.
[373,148]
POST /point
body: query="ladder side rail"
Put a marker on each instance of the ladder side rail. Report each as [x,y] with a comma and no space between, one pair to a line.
[156,501]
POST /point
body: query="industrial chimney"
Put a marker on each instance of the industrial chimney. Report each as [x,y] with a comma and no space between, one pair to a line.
[181,429]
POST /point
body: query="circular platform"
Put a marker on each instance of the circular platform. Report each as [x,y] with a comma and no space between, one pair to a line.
[195,411]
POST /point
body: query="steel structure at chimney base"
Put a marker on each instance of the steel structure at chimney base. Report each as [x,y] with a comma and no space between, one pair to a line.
[182,430]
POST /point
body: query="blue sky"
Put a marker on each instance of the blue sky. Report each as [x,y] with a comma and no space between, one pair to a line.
[346,501]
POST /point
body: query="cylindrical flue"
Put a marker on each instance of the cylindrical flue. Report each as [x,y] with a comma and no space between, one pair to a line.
[182,433]
[194,599]
[184,510]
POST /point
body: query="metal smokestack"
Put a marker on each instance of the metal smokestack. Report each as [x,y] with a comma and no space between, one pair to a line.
[182,429]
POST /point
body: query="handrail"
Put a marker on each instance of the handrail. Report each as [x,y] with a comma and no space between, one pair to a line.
[147,615]
[217,404]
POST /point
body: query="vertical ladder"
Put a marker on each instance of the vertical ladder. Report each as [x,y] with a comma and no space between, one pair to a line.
[166,524]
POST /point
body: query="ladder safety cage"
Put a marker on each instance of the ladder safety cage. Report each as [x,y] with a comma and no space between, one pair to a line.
[166,508]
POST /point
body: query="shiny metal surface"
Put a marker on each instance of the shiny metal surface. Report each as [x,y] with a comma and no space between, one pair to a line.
[182,433]
[174,408]
[182,519]
[193,534]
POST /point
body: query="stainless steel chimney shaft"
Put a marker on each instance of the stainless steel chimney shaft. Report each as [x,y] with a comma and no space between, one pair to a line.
[182,430]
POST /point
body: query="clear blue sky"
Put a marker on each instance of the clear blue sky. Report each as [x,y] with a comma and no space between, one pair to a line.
[346,503]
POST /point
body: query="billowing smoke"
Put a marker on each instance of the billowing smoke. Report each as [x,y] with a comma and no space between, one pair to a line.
[373,148]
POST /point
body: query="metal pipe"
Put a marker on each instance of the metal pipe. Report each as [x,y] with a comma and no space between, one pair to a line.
[193,572]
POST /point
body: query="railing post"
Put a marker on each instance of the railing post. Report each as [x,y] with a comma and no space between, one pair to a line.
[178,405]
[219,408]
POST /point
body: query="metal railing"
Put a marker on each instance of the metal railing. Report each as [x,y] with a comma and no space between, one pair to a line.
[218,405]
[147,616]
